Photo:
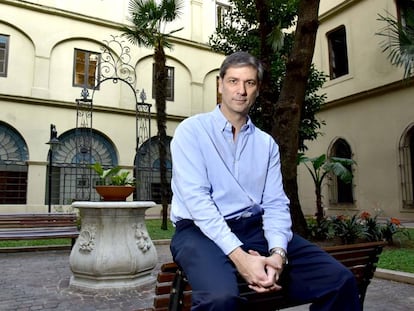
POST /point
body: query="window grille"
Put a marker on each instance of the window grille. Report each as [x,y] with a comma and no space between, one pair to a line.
[67,184]
[13,184]
[148,170]
[13,167]
[406,152]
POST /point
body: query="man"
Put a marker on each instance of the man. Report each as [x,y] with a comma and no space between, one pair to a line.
[231,213]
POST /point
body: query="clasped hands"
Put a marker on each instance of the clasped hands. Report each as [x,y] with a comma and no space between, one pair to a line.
[261,273]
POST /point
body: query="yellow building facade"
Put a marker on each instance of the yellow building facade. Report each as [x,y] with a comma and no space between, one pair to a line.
[48,48]
[369,113]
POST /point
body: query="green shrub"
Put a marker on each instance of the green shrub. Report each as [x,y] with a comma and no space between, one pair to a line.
[319,231]
[356,228]
[349,230]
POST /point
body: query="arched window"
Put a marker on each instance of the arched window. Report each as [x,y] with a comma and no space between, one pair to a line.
[148,176]
[13,167]
[406,150]
[341,192]
[67,184]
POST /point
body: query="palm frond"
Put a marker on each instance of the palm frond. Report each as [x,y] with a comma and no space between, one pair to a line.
[398,42]
[148,17]
[138,37]
[176,30]
[143,10]
[276,38]
[172,9]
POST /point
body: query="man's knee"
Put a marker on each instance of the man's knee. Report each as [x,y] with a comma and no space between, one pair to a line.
[339,274]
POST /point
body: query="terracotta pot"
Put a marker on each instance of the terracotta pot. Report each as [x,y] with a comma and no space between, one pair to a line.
[114,193]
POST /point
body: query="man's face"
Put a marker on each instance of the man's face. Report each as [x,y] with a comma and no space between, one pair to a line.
[239,89]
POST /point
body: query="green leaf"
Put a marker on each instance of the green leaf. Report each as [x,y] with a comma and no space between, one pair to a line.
[399,40]
[339,170]
[319,161]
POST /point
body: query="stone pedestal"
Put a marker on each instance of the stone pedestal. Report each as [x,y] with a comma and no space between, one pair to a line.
[113,249]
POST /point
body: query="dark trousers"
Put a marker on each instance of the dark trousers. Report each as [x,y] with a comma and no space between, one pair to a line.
[312,274]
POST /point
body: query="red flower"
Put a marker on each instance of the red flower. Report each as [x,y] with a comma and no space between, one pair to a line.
[395,221]
[365,215]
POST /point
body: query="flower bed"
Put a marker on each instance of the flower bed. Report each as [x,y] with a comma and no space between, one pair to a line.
[342,229]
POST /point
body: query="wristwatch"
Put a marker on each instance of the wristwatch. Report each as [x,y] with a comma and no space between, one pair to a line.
[280,251]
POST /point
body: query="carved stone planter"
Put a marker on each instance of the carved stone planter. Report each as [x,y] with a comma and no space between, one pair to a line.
[113,249]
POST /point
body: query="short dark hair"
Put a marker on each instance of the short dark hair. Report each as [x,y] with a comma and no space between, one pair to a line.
[241,59]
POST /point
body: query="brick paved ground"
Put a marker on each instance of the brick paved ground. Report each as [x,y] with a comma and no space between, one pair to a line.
[40,281]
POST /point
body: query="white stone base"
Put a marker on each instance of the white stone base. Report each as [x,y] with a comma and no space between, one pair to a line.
[99,284]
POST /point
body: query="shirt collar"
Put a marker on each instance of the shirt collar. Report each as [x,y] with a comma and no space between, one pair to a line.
[223,123]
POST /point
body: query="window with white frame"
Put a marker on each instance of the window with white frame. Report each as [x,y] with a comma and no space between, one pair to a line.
[4,53]
[406,151]
[86,69]
[170,82]
[341,192]
[338,53]
[221,12]
[405,10]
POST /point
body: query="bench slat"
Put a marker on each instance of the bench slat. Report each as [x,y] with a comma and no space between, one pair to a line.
[36,222]
[38,236]
[165,288]
[165,276]
[37,230]
[162,302]
[38,226]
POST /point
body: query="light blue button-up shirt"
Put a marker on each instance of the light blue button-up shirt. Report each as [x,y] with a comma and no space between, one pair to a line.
[217,178]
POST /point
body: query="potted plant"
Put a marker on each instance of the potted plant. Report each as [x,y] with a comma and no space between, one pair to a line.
[114,184]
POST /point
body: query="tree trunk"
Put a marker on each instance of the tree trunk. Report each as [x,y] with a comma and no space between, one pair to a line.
[266,53]
[291,100]
[160,100]
[319,208]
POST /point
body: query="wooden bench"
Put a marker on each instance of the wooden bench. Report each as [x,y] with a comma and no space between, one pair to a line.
[38,226]
[173,293]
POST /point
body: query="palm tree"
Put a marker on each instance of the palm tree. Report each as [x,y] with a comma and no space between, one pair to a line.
[399,39]
[320,167]
[149,18]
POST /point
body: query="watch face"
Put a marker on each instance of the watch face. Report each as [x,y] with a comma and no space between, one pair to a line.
[280,252]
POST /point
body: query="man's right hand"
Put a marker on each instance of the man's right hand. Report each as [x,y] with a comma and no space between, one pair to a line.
[255,270]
